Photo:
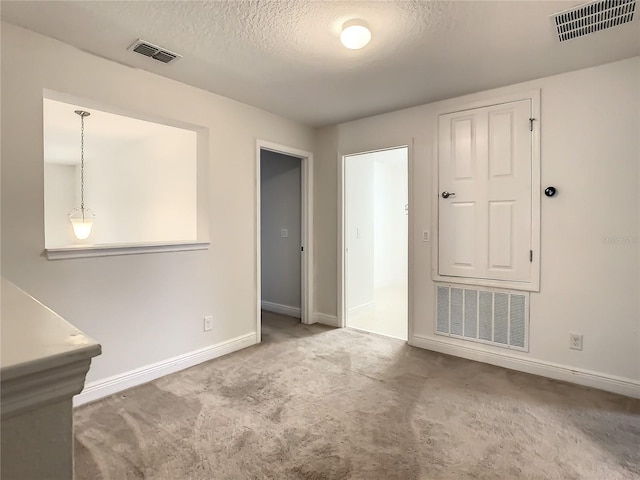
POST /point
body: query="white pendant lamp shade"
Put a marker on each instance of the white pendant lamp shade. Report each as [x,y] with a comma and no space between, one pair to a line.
[355,35]
[82,222]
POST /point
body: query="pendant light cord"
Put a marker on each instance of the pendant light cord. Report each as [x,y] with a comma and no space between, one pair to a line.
[82,165]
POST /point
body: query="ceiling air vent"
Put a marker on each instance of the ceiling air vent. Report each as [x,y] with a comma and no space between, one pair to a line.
[154,51]
[593,17]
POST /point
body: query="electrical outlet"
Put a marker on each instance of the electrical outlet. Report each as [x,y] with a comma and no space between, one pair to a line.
[575,341]
[208,323]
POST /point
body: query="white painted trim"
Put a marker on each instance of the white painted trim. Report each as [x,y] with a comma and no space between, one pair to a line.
[326,319]
[342,244]
[462,104]
[85,251]
[410,235]
[307,274]
[108,386]
[601,381]
[42,388]
[281,309]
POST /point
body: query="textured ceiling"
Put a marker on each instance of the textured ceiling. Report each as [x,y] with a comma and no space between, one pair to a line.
[286,57]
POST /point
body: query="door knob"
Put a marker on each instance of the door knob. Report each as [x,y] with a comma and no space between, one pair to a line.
[448,194]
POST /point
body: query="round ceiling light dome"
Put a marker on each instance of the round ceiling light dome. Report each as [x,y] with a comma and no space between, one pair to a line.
[355,34]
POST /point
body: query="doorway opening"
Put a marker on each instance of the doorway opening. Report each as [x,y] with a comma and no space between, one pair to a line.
[283,231]
[376,242]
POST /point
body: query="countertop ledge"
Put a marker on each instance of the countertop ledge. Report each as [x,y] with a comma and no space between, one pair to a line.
[43,358]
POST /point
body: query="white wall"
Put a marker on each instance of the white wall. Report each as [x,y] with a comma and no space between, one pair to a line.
[280,191]
[144,192]
[589,282]
[359,215]
[141,308]
[390,218]
[60,189]
[140,177]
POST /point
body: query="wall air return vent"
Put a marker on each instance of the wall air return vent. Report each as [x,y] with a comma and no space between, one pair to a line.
[495,317]
[154,51]
[592,17]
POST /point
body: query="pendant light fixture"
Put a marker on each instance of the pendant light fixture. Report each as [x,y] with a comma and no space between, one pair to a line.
[82,218]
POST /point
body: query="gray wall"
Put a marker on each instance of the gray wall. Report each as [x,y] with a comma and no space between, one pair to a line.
[280,184]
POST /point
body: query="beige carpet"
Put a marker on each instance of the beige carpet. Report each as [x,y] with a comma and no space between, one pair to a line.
[317,403]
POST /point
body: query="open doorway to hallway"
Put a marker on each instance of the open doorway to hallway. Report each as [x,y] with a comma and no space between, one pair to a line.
[281,233]
[376,241]
[287,285]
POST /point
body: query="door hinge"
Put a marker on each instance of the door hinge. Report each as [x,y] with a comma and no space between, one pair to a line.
[531,255]
[531,120]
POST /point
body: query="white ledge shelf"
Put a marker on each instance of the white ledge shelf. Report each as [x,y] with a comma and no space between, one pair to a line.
[44,358]
[84,251]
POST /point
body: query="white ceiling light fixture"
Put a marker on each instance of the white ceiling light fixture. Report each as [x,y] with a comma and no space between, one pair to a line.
[355,34]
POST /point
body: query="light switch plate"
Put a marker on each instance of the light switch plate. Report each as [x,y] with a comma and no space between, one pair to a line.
[426,236]
[284,233]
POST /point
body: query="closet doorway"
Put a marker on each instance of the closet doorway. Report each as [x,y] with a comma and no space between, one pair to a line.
[375,239]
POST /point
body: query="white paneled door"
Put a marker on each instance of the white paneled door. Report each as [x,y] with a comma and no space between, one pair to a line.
[485,162]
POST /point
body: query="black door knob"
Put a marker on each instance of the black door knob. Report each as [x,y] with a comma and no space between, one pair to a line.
[550,191]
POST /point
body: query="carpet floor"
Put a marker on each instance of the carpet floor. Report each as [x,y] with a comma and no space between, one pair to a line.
[316,403]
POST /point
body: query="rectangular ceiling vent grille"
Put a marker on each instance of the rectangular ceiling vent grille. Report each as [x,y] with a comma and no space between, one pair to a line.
[593,17]
[486,316]
[153,51]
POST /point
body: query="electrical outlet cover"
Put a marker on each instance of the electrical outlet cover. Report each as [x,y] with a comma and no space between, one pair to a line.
[575,341]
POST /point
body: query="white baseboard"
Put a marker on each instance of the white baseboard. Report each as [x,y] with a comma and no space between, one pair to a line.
[600,381]
[295,312]
[326,319]
[108,386]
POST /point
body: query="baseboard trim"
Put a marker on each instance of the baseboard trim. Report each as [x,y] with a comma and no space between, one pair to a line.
[110,385]
[600,381]
[295,312]
[326,319]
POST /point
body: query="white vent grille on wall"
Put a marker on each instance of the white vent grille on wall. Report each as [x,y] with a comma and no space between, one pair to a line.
[487,316]
[154,51]
[593,17]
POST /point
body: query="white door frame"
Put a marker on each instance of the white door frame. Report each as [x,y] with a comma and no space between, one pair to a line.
[342,241]
[306,237]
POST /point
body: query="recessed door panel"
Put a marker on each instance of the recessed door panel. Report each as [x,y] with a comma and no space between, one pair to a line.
[501,154]
[501,235]
[463,148]
[464,234]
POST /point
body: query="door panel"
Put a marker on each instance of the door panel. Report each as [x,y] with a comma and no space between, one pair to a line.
[501,235]
[462,145]
[484,160]
[500,144]
[464,220]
